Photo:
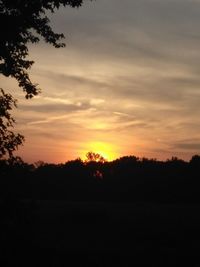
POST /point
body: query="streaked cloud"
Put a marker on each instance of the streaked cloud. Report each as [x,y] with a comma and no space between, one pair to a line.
[190,146]
[128,76]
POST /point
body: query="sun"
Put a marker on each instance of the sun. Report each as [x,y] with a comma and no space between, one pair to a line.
[104,149]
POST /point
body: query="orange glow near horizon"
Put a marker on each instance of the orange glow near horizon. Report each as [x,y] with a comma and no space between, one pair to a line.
[106,150]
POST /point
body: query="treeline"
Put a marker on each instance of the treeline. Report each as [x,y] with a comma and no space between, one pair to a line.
[125,179]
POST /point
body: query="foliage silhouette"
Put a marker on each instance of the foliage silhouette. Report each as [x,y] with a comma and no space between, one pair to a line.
[23,22]
[144,212]
[9,141]
[94,157]
[125,179]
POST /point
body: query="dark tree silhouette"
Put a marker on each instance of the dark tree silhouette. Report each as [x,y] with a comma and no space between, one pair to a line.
[94,157]
[23,22]
[129,207]
[195,161]
[9,141]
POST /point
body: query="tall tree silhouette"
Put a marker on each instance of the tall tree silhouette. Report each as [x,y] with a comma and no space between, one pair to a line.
[23,22]
[9,141]
[94,157]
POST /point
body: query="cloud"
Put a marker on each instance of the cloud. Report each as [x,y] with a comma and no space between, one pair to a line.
[129,74]
[188,146]
[65,78]
[55,108]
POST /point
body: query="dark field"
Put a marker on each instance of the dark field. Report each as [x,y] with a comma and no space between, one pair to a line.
[62,233]
[136,213]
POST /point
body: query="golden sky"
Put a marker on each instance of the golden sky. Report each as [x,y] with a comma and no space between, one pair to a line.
[127,83]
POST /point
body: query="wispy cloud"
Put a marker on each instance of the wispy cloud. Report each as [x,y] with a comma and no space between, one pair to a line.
[129,75]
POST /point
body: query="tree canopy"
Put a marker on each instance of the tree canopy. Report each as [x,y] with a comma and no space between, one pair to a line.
[9,141]
[94,157]
[23,22]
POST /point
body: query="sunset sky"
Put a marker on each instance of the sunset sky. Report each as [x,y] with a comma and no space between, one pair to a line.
[127,83]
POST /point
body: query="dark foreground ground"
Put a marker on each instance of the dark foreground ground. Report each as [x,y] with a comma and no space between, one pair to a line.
[102,234]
